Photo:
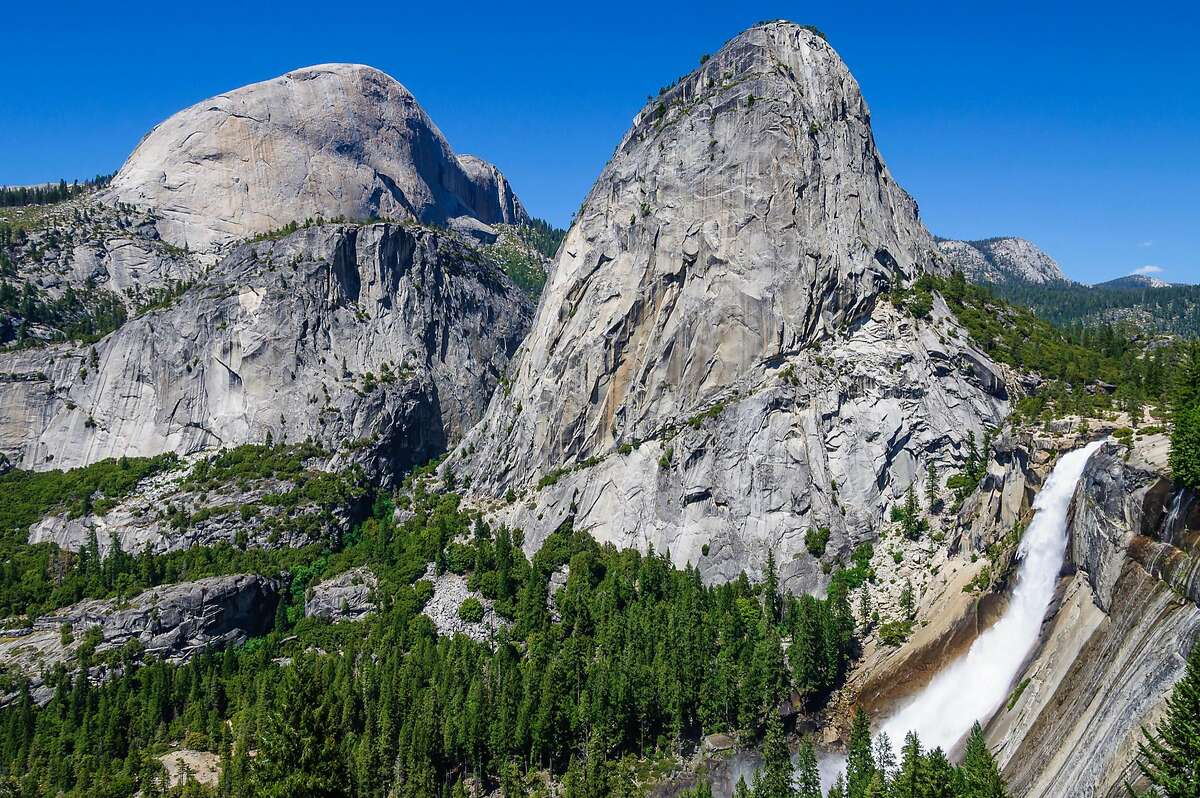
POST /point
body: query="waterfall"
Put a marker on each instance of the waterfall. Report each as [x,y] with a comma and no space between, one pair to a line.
[974,686]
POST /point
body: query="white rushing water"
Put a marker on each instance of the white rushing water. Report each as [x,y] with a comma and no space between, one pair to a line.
[974,686]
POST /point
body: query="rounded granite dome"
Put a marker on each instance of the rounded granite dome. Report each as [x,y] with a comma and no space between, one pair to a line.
[332,140]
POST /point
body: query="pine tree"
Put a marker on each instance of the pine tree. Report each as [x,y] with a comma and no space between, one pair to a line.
[911,520]
[931,488]
[741,790]
[701,790]
[838,788]
[1169,757]
[940,778]
[860,763]
[907,603]
[808,776]
[771,603]
[864,609]
[980,775]
[885,761]
[910,780]
[774,780]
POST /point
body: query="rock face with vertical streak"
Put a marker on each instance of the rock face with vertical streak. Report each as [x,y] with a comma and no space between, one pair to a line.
[333,140]
[383,341]
[714,367]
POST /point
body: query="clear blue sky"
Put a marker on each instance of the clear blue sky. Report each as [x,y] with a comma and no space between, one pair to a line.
[1076,127]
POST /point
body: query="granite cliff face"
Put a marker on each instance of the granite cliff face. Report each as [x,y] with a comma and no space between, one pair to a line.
[1002,261]
[334,140]
[173,623]
[713,367]
[382,340]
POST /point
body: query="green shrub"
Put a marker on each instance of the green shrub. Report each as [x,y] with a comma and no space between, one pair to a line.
[894,633]
[816,539]
[471,610]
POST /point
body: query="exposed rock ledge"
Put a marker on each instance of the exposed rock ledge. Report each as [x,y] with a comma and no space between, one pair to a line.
[171,622]
[345,597]
[449,592]
[236,514]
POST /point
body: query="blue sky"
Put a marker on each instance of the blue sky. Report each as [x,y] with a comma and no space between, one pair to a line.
[1074,126]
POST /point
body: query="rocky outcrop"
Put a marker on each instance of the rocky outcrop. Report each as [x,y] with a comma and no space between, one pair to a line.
[713,368]
[383,341]
[1119,639]
[1135,282]
[166,513]
[331,141]
[449,592]
[1002,261]
[185,765]
[346,597]
[84,258]
[172,623]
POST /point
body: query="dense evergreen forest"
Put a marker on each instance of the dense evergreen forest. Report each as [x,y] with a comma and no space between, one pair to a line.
[642,657]
[1174,309]
[50,193]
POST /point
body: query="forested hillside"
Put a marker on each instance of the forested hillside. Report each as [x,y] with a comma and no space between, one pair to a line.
[1173,309]
[637,658]
[598,681]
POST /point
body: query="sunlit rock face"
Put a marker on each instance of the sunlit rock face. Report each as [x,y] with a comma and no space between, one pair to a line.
[172,622]
[334,140]
[382,341]
[1003,261]
[1118,640]
[713,368]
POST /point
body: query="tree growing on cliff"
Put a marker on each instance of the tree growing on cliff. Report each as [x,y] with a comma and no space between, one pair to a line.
[909,515]
[931,489]
[1185,446]
[1169,756]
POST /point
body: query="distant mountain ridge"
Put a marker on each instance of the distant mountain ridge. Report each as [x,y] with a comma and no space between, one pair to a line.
[1002,260]
[1022,273]
[1136,281]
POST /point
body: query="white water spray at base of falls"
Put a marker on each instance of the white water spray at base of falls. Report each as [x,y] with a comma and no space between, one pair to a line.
[974,686]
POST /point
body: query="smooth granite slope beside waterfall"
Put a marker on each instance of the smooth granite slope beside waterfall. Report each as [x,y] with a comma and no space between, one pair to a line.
[714,366]
[1118,639]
